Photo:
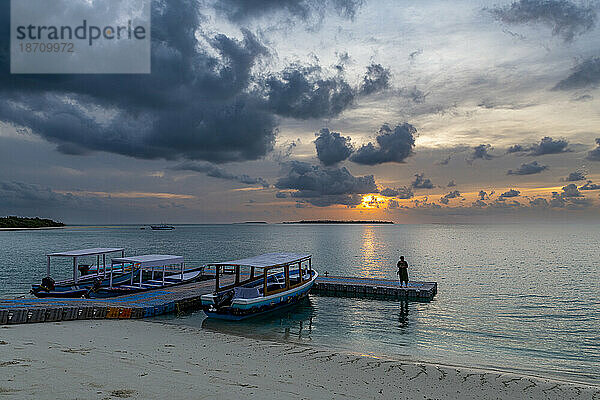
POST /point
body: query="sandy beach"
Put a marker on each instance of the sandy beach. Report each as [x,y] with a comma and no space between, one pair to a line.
[150,360]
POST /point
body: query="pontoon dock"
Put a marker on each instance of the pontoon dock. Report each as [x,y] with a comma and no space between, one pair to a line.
[187,297]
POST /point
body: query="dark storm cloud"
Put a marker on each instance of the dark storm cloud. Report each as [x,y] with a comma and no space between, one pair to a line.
[594,155]
[421,182]
[589,186]
[392,146]
[452,195]
[242,10]
[325,186]
[281,195]
[584,75]
[575,176]
[218,172]
[332,147]
[376,79]
[480,152]
[528,169]
[546,146]
[403,192]
[510,193]
[155,115]
[303,92]
[565,18]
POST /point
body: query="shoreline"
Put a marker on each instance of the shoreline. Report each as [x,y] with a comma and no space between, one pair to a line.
[153,359]
[33,229]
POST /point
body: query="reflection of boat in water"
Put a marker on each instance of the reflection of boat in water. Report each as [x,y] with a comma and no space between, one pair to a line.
[284,279]
[294,321]
[84,275]
[162,227]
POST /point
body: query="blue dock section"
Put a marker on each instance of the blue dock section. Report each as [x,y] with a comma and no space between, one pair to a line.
[186,297]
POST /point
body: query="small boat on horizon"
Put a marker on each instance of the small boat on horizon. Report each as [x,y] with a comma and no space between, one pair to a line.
[283,280]
[162,227]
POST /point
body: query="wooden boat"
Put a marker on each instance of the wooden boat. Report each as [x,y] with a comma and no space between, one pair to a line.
[84,275]
[282,280]
[162,227]
[151,271]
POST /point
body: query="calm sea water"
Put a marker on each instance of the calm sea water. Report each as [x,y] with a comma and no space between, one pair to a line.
[512,297]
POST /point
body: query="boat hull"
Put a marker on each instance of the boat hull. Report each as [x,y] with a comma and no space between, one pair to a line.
[259,306]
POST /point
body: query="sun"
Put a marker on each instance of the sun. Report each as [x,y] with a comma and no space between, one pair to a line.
[372,201]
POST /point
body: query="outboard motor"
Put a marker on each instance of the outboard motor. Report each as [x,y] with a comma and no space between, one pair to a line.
[224,299]
[48,284]
[84,269]
[94,288]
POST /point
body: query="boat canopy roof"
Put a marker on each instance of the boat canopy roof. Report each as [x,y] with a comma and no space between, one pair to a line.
[150,260]
[266,260]
[86,252]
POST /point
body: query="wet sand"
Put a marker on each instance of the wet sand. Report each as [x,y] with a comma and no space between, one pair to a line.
[150,360]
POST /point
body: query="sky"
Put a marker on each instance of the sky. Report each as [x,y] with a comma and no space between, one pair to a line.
[281,110]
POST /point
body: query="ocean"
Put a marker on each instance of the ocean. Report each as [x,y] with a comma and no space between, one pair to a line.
[515,297]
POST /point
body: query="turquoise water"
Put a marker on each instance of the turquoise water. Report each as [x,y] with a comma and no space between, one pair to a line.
[512,297]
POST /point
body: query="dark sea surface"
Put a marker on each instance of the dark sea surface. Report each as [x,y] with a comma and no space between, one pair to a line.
[522,297]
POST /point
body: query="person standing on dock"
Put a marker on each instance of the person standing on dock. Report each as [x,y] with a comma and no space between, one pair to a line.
[402,271]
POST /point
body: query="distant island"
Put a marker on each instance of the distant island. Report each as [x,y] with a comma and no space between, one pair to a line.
[331,221]
[14,222]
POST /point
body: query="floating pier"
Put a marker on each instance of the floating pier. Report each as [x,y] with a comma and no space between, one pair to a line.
[377,288]
[187,297]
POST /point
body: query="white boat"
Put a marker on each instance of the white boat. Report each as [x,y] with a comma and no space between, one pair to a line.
[272,281]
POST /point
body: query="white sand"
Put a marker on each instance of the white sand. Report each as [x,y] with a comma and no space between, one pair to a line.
[149,360]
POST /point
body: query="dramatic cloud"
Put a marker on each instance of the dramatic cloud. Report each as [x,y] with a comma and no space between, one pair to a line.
[375,80]
[325,186]
[594,155]
[303,92]
[403,192]
[332,147]
[589,186]
[528,169]
[281,195]
[584,75]
[566,19]
[155,115]
[546,146]
[575,176]
[242,10]
[217,172]
[480,152]
[421,182]
[510,193]
[392,146]
[452,195]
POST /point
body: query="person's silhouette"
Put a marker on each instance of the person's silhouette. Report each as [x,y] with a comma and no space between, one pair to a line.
[403,271]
